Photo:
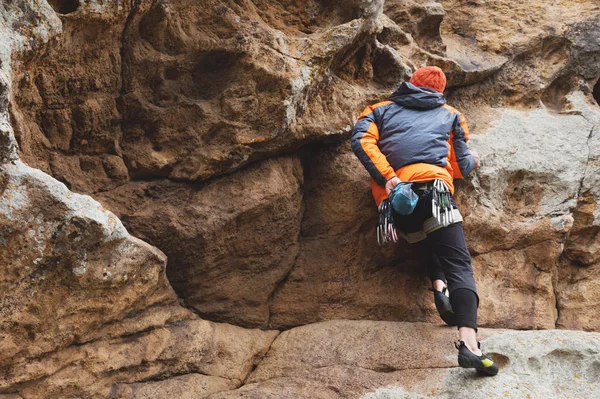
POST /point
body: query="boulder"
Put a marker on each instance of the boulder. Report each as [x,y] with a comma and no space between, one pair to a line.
[223,354]
[377,360]
[70,265]
[230,242]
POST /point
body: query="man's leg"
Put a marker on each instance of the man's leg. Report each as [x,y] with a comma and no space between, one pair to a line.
[434,268]
[449,246]
[438,284]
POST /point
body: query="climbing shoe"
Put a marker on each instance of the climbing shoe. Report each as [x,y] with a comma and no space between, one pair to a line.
[469,360]
[442,304]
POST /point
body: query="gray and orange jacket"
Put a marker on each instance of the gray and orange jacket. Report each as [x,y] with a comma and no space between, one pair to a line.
[414,136]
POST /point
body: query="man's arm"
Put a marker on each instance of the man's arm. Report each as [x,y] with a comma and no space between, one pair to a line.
[466,161]
[365,137]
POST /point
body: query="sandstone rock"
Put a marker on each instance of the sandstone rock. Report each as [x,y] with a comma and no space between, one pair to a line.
[507,25]
[421,19]
[541,364]
[285,75]
[406,54]
[577,279]
[65,113]
[364,359]
[342,272]
[70,265]
[217,107]
[275,76]
[227,353]
[39,25]
[518,176]
[518,180]
[230,243]
[379,346]
[170,93]
[190,386]
[545,55]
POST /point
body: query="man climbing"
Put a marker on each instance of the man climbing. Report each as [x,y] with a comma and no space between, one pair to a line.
[416,137]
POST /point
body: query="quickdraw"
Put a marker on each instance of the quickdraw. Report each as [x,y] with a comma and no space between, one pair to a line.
[386,231]
[441,203]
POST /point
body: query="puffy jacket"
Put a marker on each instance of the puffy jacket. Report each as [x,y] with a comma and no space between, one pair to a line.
[415,136]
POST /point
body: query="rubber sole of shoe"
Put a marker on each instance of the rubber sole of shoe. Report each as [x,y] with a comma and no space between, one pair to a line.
[469,363]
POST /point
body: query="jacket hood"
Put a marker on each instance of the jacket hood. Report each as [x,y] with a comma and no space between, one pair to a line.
[411,96]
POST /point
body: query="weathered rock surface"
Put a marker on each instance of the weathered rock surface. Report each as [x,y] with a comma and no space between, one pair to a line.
[185,96]
[189,386]
[179,98]
[66,118]
[85,304]
[70,265]
[187,120]
[356,359]
[221,267]
[341,272]
[227,353]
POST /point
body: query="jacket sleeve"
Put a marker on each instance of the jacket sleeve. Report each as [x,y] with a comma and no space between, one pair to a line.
[462,161]
[365,137]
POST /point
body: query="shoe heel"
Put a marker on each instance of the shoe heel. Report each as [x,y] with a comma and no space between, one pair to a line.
[464,362]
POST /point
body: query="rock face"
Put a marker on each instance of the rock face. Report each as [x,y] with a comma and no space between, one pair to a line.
[221,266]
[186,99]
[225,353]
[218,132]
[376,360]
[85,305]
[70,265]
[190,386]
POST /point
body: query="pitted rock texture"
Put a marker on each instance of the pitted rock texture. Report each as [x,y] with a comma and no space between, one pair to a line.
[221,266]
[218,132]
[85,305]
[189,386]
[188,346]
[163,100]
[171,95]
[362,359]
[70,265]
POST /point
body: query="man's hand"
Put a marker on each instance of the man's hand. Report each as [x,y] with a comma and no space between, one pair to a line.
[476,157]
[393,182]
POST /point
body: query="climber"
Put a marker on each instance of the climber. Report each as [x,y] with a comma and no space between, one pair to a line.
[416,138]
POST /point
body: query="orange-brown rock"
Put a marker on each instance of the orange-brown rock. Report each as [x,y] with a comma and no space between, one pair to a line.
[217,131]
[377,360]
[171,95]
[220,266]
[341,272]
[189,386]
[191,95]
[227,353]
[70,266]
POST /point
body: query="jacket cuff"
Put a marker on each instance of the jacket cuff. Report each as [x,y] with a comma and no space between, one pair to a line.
[470,166]
[389,176]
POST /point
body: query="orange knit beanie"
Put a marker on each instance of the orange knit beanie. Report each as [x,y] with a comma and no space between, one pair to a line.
[430,76]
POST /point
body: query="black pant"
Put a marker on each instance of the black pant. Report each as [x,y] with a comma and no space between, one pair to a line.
[447,258]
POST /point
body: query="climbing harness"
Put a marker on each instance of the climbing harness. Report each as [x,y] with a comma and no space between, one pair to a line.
[442,209]
[386,231]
